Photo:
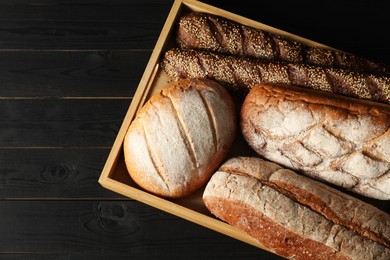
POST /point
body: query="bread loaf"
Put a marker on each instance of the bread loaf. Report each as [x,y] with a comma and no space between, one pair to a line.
[240,74]
[180,136]
[210,32]
[336,139]
[294,216]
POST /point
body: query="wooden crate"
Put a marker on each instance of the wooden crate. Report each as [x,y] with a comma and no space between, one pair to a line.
[115,176]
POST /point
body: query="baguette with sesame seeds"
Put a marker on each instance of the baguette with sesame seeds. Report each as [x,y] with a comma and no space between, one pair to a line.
[198,30]
[241,74]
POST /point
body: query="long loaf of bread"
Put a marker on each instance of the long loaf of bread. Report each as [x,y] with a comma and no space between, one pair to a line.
[210,32]
[241,74]
[339,140]
[295,216]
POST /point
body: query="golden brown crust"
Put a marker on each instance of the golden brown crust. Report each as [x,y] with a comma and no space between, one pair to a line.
[240,74]
[269,234]
[296,216]
[180,136]
[339,140]
[335,205]
[209,32]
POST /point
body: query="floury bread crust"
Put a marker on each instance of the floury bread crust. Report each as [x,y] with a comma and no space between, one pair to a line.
[180,136]
[341,141]
[295,216]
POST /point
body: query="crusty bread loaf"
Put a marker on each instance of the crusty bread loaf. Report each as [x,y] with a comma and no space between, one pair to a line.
[295,216]
[340,140]
[210,32]
[240,74]
[180,136]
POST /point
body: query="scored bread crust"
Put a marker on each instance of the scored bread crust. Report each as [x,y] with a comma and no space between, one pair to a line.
[289,213]
[180,136]
[339,140]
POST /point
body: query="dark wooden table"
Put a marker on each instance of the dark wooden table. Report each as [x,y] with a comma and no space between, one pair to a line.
[68,71]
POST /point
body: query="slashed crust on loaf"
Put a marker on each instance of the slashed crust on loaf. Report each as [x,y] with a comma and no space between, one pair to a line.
[341,141]
[295,216]
[337,206]
[180,136]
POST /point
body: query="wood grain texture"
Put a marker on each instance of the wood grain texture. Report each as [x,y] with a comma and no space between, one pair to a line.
[81,24]
[68,70]
[51,74]
[61,122]
[110,228]
[53,173]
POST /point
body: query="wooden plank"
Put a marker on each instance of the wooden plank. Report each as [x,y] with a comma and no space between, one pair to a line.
[67,173]
[25,24]
[108,25]
[81,24]
[53,173]
[111,228]
[71,73]
[61,122]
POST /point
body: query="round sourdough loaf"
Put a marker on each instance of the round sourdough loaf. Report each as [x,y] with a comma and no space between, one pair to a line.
[180,137]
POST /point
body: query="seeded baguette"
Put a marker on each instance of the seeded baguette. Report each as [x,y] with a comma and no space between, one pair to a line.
[210,32]
[241,74]
[295,216]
